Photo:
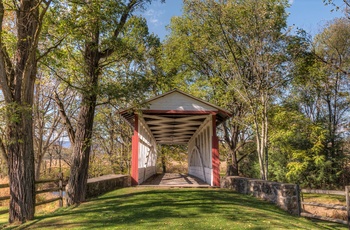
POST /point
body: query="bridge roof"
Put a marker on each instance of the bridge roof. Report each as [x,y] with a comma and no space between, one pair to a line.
[175,116]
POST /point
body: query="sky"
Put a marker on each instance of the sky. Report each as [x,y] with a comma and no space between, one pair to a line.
[310,15]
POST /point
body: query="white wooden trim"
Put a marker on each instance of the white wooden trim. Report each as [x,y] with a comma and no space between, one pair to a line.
[167,119]
[208,119]
[144,124]
[201,159]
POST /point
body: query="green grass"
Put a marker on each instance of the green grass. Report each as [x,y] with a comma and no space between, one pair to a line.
[325,198]
[156,208]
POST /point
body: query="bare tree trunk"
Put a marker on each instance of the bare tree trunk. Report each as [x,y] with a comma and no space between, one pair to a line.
[21,168]
[232,140]
[76,187]
[50,162]
[265,141]
[17,82]
[259,148]
[46,121]
[261,132]
[163,162]
[39,161]
[232,166]
[262,151]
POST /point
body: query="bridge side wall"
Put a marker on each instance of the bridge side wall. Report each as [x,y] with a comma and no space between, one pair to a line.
[147,152]
[200,152]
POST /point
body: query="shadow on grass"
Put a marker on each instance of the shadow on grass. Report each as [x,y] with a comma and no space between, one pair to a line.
[145,208]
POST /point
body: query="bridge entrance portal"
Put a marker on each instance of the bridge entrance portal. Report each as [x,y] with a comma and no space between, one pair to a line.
[176,118]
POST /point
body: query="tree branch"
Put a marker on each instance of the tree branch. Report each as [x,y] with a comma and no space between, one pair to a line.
[50,49]
[330,64]
[30,60]
[109,51]
[242,157]
[5,63]
[66,121]
[64,80]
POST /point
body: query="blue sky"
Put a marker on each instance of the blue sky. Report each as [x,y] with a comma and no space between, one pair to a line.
[310,15]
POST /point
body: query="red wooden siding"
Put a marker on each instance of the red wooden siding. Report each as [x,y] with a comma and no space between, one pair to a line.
[215,155]
[135,154]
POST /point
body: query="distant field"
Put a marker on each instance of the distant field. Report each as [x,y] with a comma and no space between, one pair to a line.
[325,199]
[155,208]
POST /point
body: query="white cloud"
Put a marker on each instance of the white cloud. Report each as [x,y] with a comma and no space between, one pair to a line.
[154,16]
[291,2]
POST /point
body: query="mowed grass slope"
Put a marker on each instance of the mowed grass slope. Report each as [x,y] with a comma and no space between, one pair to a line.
[171,208]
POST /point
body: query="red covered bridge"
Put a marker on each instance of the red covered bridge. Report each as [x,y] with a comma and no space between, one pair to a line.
[176,118]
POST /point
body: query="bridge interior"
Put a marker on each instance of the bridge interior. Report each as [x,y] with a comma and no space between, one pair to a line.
[175,180]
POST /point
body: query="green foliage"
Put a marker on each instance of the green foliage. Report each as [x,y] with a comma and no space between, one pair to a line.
[100,165]
[299,151]
[234,52]
[111,143]
[172,158]
[14,111]
[320,91]
[125,75]
[249,165]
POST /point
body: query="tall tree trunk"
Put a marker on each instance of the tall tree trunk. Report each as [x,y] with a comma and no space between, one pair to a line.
[163,158]
[265,139]
[39,161]
[21,167]
[50,162]
[232,166]
[17,83]
[232,139]
[261,132]
[260,150]
[76,187]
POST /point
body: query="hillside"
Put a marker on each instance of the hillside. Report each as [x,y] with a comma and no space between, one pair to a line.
[170,208]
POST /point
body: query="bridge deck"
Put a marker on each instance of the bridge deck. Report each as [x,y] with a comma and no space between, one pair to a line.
[175,180]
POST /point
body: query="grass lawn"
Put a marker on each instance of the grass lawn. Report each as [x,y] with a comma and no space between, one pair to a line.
[325,198]
[171,208]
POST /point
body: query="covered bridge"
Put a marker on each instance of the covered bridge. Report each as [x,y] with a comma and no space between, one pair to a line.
[176,118]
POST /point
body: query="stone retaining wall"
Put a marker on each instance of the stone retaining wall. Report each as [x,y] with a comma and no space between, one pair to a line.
[100,185]
[285,196]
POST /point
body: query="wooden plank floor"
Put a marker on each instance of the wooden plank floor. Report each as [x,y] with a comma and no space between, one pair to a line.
[175,180]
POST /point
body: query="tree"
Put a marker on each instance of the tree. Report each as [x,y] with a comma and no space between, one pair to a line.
[337,7]
[47,123]
[106,39]
[242,44]
[320,90]
[112,138]
[172,153]
[20,30]
[236,136]
[196,72]
[297,148]
[332,50]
